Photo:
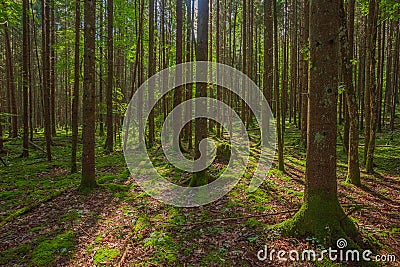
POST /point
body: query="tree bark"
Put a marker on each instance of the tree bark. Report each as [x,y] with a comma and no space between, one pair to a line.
[346,49]
[10,84]
[278,103]
[109,145]
[89,97]
[152,71]
[201,178]
[321,214]
[304,74]
[372,94]
[75,96]
[25,76]
[178,75]
[46,75]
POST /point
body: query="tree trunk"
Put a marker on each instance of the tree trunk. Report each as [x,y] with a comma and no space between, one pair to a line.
[201,178]
[346,49]
[178,75]
[52,71]
[362,72]
[389,72]
[278,106]
[25,76]
[75,96]
[372,88]
[189,87]
[321,214]
[89,97]
[46,75]
[268,52]
[109,145]
[10,84]
[152,71]
[101,83]
[304,74]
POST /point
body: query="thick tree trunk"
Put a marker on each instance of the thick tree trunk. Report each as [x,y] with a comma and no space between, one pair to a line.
[201,178]
[321,214]
[89,97]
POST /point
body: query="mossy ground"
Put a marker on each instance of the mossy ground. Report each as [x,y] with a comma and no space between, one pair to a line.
[119,222]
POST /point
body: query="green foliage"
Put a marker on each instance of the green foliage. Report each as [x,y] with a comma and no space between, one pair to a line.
[390,9]
[10,11]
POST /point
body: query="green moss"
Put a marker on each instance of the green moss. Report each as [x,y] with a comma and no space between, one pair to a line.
[103,255]
[45,253]
[224,151]
[19,252]
[320,216]
[165,248]
[213,258]
[253,223]
[199,179]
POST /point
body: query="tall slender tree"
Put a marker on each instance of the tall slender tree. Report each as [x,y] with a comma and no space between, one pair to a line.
[109,145]
[278,104]
[89,97]
[25,74]
[371,101]
[46,75]
[304,70]
[75,95]
[346,48]
[152,71]
[201,129]
[179,73]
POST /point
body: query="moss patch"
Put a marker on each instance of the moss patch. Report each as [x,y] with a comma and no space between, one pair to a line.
[45,253]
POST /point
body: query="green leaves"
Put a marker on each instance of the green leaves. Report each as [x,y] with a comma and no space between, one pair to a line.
[10,11]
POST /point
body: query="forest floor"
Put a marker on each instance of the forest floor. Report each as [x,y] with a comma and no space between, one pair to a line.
[45,221]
